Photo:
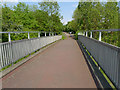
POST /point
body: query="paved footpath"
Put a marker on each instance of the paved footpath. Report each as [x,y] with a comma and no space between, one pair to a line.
[60,66]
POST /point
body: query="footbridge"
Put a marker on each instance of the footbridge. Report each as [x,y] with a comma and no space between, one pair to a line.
[51,62]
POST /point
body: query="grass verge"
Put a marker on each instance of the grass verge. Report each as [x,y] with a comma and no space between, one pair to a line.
[63,36]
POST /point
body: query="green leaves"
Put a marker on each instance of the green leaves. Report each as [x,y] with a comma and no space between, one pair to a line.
[53,15]
[50,6]
[96,15]
[25,17]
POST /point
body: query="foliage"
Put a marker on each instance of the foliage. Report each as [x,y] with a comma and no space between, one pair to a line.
[76,35]
[23,17]
[96,16]
[63,36]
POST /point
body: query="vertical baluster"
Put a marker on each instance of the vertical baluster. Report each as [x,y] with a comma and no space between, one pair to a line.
[45,34]
[9,38]
[38,34]
[99,36]
[28,35]
[91,35]
[86,33]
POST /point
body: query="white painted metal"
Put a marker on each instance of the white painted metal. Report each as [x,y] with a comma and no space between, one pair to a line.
[28,35]
[83,33]
[45,34]
[90,34]
[99,36]
[38,34]
[9,38]
[86,33]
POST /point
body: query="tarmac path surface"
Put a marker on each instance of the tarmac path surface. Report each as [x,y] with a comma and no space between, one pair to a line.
[60,66]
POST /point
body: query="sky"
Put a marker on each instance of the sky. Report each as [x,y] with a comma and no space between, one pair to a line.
[66,10]
[67,7]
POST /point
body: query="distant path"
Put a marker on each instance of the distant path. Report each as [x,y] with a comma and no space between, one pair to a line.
[60,66]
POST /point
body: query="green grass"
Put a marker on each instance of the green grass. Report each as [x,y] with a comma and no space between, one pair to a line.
[5,67]
[108,80]
[76,35]
[94,61]
[63,36]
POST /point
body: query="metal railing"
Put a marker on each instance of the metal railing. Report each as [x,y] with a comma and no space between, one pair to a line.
[9,33]
[106,55]
[12,51]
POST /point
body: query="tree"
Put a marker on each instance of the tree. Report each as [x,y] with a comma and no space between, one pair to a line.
[97,16]
[49,6]
[24,17]
[52,8]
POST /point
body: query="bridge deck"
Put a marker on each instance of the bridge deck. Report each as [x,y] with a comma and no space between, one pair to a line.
[60,66]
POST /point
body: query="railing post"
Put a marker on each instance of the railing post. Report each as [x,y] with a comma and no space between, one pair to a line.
[53,34]
[91,35]
[38,34]
[86,33]
[49,34]
[99,36]
[28,35]
[45,34]
[83,33]
[9,38]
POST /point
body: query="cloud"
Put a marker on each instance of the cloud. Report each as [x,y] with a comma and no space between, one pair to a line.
[75,5]
[66,21]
